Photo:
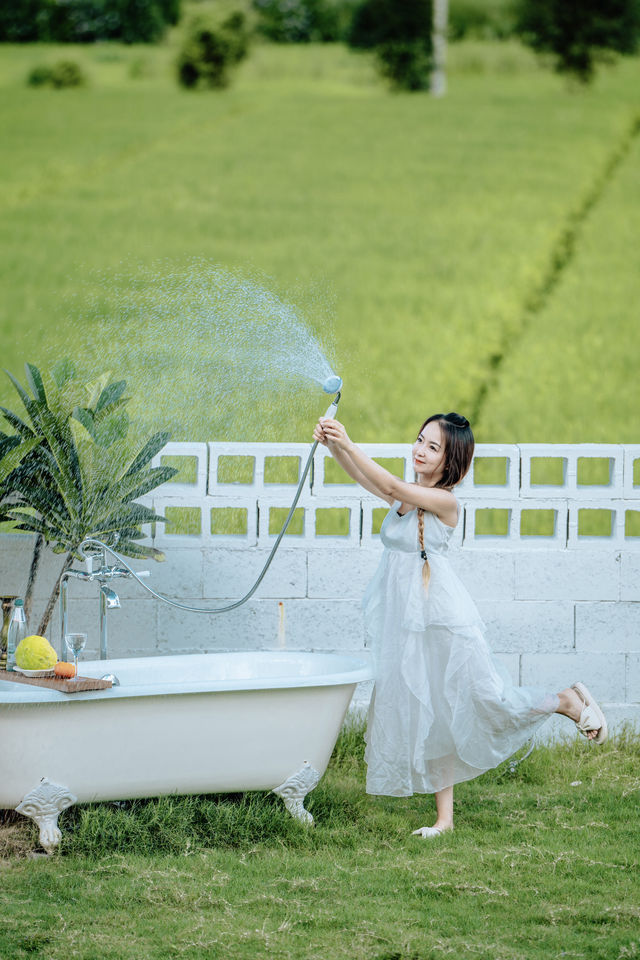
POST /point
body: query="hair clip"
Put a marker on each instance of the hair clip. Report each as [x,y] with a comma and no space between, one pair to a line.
[423,554]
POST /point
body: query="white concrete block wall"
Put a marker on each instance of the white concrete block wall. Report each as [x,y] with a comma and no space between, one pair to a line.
[608,627]
[568,574]
[604,673]
[530,626]
[557,609]
[633,678]
[343,574]
[630,576]
[490,575]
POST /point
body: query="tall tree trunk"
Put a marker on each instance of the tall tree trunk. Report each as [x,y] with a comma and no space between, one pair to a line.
[35,562]
[55,593]
[439,45]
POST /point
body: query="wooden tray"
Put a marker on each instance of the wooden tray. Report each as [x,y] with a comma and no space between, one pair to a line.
[58,683]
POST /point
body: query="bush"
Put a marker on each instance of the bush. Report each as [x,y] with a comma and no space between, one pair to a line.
[84,21]
[374,23]
[579,32]
[39,77]
[304,21]
[170,10]
[210,50]
[406,65]
[400,32]
[478,18]
[64,73]
[141,21]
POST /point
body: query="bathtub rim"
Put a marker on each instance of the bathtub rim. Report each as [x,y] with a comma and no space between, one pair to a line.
[357,668]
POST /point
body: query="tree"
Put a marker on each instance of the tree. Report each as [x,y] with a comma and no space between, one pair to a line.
[578,33]
[211,49]
[13,450]
[301,21]
[400,33]
[82,470]
[85,21]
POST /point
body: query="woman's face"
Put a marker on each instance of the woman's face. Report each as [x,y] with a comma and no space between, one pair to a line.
[428,454]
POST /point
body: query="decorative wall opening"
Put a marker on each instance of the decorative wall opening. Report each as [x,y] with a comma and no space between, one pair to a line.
[229,521]
[548,471]
[332,521]
[183,521]
[187,468]
[277,517]
[490,471]
[281,470]
[236,469]
[594,471]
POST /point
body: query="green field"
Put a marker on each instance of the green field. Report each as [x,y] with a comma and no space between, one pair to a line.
[475,253]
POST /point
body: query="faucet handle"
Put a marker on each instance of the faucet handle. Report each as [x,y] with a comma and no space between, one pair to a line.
[123,572]
[94,559]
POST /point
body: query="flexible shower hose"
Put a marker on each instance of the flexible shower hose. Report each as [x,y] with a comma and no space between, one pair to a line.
[91,542]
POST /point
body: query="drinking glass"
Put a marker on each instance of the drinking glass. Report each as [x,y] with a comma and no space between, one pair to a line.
[75,643]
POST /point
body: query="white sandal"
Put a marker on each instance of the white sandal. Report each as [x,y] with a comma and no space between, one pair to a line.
[425,832]
[591,716]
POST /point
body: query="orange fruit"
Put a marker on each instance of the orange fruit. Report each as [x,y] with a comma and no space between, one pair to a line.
[65,670]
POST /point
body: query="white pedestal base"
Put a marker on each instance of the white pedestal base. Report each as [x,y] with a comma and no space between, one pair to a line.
[44,804]
[294,790]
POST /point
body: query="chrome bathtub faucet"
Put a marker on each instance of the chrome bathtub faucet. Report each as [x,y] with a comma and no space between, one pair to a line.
[109,599]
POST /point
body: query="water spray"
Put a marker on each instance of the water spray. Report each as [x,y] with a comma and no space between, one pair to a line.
[332,384]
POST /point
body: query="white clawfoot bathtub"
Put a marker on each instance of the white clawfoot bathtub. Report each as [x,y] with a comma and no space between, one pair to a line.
[201,723]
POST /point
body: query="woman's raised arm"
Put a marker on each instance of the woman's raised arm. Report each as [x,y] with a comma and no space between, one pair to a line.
[344,459]
[434,499]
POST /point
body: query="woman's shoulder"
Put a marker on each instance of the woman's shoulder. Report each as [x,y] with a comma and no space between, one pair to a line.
[451,516]
[438,501]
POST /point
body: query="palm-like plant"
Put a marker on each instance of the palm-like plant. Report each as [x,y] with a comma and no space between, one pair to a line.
[12,451]
[81,472]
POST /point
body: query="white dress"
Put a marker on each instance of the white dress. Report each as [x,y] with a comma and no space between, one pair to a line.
[443,709]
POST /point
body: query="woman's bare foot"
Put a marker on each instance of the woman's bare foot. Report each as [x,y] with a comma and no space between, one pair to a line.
[572,706]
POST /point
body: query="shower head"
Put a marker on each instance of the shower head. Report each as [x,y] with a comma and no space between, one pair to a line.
[332,384]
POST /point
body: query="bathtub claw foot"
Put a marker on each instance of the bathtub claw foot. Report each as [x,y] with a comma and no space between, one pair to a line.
[44,804]
[294,790]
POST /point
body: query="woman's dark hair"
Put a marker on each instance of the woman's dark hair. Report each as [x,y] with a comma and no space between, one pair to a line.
[458,454]
[458,446]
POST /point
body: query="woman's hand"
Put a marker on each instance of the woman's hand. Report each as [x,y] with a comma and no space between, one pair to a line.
[334,433]
[319,435]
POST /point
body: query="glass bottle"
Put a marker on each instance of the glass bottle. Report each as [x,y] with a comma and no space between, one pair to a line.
[17,632]
[7,610]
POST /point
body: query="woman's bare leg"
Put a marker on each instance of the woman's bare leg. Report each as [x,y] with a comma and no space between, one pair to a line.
[444,806]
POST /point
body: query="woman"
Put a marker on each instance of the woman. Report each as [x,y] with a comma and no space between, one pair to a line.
[444,709]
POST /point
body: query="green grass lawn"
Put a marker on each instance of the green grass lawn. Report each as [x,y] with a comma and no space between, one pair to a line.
[538,867]
[409,233]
